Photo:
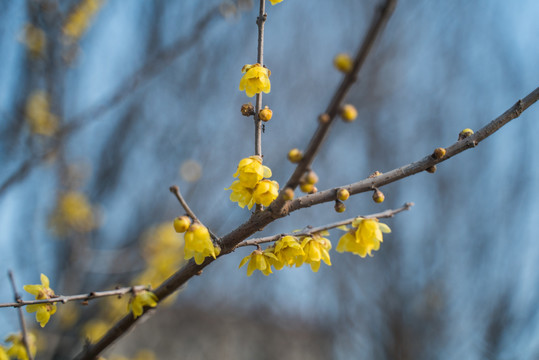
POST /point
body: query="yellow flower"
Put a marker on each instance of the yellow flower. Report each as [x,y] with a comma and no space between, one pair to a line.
[365,237]
[250,171]
[73,212]
[181,224]
[3,353]
[38,115]
[17,350]
[145,355]
[198,244]
[137,302]
[35,40]
[260,260]
[255,80]
[343,62]
[265,192]
[273,2]
[242,195]
[287,250]
[79,20]
[41,292]
[316,249]
[94,329]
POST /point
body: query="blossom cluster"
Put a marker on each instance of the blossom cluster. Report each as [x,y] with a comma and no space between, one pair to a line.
[17,350]
[253,185]
[290,251]
[364,237]
[198,242]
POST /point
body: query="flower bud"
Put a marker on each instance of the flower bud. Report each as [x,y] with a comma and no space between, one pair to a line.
[378,196]
[306,188]
[465,133]
[313,190]
[288,194]
[431,169]
[309,177]
[348,113]
[295,156]
[343,62]
[375,174]
[181,224]
[265,114]
[339,206]
[247,109]
[323,118]
[343,194]
[438,153]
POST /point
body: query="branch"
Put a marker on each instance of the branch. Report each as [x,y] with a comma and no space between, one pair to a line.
[420,165]
[83,297]
[260,21]
[310,230]
[176,191]
[21,316]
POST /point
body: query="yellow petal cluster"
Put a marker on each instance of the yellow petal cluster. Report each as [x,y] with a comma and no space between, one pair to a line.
[251,187]
[3,353]
[259,260]
[143,298]
[273,2]
[316,249]
[79,20]
[17,350]
[287,250]
[255,80]
[73,213]
[41,292]
[365,237]
[198,244]
[38,115]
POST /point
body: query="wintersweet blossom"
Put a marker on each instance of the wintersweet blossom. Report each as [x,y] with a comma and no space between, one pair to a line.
[79,20]
[250,171]
[17,350]
[38,115]
[364,237]
[141,299]
[265,192]
[198,244]
[316,249]
[41,292]
[273,2]
[255,80]
[241,194]
[287,250]
[260,260]
[3,353]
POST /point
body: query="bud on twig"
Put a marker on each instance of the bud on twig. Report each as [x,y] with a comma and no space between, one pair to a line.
[339,206]
[378,196]
[343,194]
[247,109]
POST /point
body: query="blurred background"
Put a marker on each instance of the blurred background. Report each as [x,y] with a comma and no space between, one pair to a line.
[105,104]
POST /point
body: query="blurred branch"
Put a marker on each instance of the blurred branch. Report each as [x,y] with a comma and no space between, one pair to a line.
[82,297]
[21,316]
[420,165]
[310,230]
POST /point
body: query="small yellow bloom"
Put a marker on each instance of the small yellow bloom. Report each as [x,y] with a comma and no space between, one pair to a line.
[181,224]
[35,40]
[73,212]
[143,298]
[365,236]
[273,2]
[41,292]
[94,329]
[260,260]
[265,192]
[241,194]
[295,155]
[265,114]
[198,244]
[255,80]
[79,20]
[250,171]
[316,249]
[17,350]
[287,250]
[348,113]
[343,63]
[38,114]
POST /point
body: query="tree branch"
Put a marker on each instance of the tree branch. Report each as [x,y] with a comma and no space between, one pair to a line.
[21,316]
[260,21]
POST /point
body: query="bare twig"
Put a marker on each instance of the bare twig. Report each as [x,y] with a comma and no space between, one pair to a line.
[313,230]
[82,297]
[176,191]
[21,316]
[332,110]
[260,21]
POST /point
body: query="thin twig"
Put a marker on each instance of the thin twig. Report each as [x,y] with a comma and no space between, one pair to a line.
[176,191]
[21,316]
[260,21]
[313,230]
[82,297]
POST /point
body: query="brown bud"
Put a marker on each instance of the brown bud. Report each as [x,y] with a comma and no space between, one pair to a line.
[324,118]
[288,194]
[438,153]
[431,169]
[247,109]
[339,206]
[378,196]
